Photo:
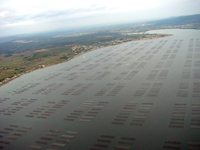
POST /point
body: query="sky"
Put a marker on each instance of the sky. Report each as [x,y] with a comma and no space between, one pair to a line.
[29,16]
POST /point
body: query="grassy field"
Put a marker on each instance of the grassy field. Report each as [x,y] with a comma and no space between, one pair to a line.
[19,63]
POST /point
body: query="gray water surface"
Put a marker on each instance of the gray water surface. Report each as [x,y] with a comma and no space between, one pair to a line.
[141,95]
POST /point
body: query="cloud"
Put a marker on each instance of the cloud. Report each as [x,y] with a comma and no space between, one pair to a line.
[12,11]
[43,14]
[28,22]
[69,13]
[17,15]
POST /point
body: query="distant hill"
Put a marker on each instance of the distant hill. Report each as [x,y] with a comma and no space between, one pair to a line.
[182,20]
[7,39]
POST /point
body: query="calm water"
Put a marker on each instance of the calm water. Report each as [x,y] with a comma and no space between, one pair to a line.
[136,95]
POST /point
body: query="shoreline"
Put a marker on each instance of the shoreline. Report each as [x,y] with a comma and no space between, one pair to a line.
[7,80]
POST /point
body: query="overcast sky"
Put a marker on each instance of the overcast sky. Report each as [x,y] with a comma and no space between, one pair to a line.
[26,16]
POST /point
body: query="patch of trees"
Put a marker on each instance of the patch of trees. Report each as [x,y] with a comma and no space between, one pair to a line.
[48,42]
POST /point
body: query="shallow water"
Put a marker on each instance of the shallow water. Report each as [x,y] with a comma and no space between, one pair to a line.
[138,95]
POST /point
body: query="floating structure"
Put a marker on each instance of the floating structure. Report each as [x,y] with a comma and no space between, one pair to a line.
[136,95]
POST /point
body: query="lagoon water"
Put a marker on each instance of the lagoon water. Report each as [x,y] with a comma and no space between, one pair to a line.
[137,95]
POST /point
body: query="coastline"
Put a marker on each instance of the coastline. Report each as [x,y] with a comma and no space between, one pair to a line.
[7,80]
